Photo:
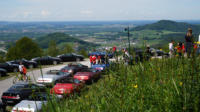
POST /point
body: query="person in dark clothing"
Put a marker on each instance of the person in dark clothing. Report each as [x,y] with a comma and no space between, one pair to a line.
[189,39]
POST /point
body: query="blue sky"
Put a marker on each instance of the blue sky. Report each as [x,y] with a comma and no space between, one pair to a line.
[76,10]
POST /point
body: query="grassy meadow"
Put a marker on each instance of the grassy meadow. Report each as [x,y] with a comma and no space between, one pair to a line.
[167,85]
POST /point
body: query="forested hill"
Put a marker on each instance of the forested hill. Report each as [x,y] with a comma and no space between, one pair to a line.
[169,26]
[61,38]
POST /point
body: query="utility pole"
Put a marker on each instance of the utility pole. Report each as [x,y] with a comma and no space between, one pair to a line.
[128,32]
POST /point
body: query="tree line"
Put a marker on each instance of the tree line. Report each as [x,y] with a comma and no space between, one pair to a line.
[28,49]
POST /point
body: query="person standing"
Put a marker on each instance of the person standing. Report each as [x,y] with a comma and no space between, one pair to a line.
[171,48]
[90,60]
[189,39]
[94,59]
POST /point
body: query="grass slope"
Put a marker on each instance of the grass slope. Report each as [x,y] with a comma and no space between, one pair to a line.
[168,85]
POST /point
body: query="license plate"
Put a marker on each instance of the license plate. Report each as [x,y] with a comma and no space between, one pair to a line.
[10,101]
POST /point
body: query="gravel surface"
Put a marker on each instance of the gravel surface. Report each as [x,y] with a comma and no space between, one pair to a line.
[7,83]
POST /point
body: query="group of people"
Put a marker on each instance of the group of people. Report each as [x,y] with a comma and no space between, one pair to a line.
[188,48]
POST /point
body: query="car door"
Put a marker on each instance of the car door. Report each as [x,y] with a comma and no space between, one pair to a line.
[26,91]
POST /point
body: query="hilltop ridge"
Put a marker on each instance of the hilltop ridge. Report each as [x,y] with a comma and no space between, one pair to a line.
[169,26]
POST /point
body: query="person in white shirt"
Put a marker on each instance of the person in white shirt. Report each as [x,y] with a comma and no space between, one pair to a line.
[21,68]
[171,48]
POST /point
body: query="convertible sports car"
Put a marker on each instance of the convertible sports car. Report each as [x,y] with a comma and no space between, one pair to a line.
[3,72]
[47,60]
[9,67]
[88,75]
[51,77]
[33,103]
[26,63]
[73,68]
[20,91]
[100,67]
[70,57]
[67,86]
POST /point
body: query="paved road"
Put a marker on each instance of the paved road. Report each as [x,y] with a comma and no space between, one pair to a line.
[5,84]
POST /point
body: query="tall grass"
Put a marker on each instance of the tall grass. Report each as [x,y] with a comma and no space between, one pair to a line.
[170,85]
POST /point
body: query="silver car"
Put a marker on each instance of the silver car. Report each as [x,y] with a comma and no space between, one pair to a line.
[51,77]
[33,104]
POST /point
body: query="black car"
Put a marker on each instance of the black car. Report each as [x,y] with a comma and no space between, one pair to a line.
[70,57]
[47,60]
[2,107]
[9,67]
[3,72]
[73,68]
[26,63]
[20,91]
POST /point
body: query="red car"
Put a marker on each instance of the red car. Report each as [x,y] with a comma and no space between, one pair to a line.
[88,75]
[67,86]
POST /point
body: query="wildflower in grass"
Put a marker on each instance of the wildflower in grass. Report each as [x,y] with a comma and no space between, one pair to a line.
[86,96]
[135,86]
[180,83]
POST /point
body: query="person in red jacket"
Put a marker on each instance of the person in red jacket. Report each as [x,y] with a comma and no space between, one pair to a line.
[94,59]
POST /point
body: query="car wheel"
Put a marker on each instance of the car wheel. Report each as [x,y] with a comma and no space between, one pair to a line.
[30,66]
[15,70]
[55,62]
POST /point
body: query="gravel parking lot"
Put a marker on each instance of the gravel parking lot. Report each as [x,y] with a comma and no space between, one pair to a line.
[5,84]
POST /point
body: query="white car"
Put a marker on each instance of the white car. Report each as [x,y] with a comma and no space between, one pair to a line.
[32,104]
[50,78]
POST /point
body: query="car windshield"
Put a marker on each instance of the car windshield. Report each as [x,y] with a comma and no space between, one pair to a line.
[89,70]
[39,97]
[8,63]
[70,80]
[14,87]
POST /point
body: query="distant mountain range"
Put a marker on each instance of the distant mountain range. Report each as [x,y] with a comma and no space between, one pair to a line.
[169,26]
[62,38]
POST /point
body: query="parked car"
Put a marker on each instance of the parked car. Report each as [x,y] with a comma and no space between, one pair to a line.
[70,57]
[100,67]
[20,91]
[102,54]
[88,75]
[2,107]
[3,72]
[26,63]
[47,60]
[9,67]
[33,103]
[67,86]
[73,68]
[51,78]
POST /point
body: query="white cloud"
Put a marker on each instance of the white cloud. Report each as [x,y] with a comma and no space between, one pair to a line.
[45,13]
[86,12]
[27,14]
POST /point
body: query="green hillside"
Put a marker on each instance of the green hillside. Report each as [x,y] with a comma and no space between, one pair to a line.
[60,39]
[169,26]
[159,34]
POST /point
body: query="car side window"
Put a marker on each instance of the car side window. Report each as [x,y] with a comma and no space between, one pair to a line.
[33,86]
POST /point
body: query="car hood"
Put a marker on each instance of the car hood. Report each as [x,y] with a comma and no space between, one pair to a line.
[64,85]
[29,105]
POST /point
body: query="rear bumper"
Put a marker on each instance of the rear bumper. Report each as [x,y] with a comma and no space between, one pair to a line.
[10,101]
